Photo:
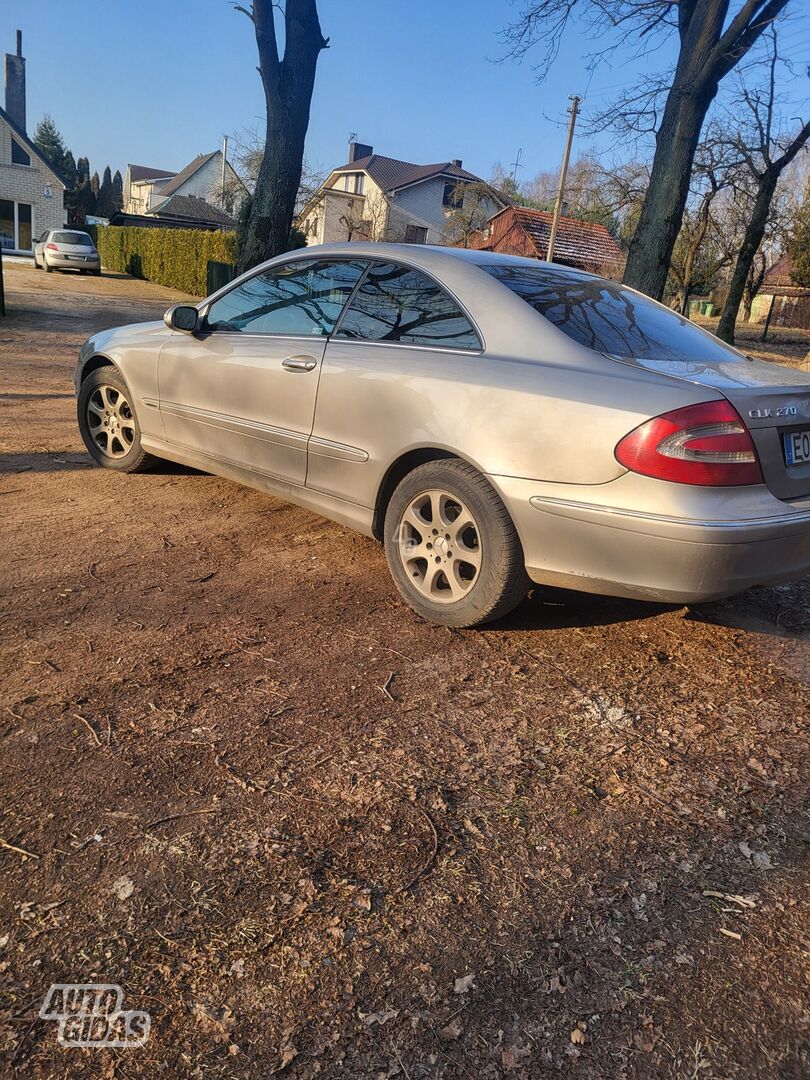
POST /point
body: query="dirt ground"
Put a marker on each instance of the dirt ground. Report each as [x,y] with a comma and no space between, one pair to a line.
[312,835]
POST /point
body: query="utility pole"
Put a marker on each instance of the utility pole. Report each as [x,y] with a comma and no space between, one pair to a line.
[575,100]
[224,163]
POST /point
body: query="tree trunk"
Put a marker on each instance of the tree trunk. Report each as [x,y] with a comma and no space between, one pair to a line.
[662,213]
[754,232]
[288,86]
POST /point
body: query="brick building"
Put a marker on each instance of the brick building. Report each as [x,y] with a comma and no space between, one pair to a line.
[32,194]
[586,245]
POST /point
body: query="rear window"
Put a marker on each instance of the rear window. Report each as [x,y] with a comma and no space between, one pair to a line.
[80,238]
[605,316]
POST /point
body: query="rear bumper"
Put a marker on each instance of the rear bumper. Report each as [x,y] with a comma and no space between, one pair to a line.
[720,543]
[65,262]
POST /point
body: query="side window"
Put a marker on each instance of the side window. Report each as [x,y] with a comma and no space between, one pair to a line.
[299,298]
[398,304]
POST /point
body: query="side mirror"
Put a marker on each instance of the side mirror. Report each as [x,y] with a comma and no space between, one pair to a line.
[182,317]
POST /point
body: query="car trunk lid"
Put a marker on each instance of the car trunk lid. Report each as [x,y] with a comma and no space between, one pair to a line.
[773,401]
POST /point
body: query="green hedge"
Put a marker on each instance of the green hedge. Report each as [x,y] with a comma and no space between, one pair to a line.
[174,257]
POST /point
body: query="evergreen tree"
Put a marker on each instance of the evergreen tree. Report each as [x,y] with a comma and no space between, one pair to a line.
[69,170]
[82,171]
[50,143]
[117,195]
[95,185]
[104,201]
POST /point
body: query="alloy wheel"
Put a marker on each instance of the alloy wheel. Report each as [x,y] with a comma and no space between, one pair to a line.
[440,547]
[110,421]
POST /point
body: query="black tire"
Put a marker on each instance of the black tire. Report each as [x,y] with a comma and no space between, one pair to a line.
[106,385]
[494,587]
[48,268]
[96,273]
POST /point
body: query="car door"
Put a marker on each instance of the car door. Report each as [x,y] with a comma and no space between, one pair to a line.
[402,364]
[39,247]
[242,389]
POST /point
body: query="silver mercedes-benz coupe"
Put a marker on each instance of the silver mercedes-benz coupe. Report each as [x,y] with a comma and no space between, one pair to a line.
[492,420]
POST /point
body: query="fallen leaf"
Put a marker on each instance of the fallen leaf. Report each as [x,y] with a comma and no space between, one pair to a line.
[453,1030]
[464,984]
[124,887]
[578,1036]
[381,1017]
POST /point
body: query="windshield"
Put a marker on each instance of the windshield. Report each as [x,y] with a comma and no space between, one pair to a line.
[605,316]
[80,238]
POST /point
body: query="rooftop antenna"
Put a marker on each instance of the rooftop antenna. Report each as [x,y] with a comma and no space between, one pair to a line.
[516,164]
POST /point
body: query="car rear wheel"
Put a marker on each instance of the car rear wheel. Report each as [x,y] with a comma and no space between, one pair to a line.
[108,423]
[451,546]
[48,267]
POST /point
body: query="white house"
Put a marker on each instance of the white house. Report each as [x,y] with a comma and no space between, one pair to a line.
[32,194]
[373,197]
[147,190]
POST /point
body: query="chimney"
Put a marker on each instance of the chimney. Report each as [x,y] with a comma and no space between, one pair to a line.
[457,162]
[359,150]
[15,85]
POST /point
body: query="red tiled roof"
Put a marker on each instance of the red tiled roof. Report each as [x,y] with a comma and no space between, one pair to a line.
[522,231]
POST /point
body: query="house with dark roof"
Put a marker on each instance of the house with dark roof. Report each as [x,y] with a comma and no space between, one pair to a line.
[32,193]
[586,245]
[147,190]
[373,197]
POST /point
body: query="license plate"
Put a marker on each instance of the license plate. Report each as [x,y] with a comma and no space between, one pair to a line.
[797,447]
[77,258]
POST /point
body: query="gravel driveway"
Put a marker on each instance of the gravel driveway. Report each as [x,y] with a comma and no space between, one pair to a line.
[313,835]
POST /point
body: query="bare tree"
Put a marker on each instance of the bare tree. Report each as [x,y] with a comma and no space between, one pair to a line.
[767,154]
[288,83]
[697,257]
[473,206]
[710,46]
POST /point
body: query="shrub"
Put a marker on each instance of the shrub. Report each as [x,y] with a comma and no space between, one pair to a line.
[174,257]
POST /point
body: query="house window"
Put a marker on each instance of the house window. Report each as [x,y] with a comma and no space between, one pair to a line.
[359,182]
[16,225]
[453,195]
[7,239]
[18,155]
[415,234]
[24,226]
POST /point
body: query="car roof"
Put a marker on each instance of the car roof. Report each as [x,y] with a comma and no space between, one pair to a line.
[413,254]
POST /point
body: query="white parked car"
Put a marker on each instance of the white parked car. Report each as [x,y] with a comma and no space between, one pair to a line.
[67,249]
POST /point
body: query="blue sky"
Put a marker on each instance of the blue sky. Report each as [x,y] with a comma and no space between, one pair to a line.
[157,82]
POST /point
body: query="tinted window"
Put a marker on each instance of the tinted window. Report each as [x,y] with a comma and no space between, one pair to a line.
[397,304]
[80,238]
[300,298]
[609,318]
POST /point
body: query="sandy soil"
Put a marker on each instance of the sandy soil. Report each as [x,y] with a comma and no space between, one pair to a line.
[313,835]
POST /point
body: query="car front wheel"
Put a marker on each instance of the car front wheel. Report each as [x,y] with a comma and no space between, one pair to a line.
[451,546]
[108,423]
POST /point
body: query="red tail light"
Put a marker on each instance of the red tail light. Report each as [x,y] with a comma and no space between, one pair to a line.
[51,247]
[702,444]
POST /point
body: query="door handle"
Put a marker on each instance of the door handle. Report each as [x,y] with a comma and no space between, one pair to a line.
[299,363]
